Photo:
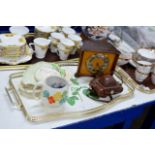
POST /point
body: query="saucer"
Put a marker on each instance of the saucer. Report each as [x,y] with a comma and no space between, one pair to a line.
[19,30]
[17,60]
[147,54]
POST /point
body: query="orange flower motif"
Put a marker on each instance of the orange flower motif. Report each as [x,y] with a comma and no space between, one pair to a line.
[51,100]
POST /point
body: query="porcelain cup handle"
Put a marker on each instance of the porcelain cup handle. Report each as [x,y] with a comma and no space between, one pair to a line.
[30,45]
[34,93]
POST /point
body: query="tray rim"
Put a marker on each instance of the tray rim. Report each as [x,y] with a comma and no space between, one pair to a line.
[133,83]
[22,67]
[79,114]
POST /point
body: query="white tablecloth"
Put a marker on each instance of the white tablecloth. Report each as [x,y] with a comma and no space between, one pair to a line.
[12,118]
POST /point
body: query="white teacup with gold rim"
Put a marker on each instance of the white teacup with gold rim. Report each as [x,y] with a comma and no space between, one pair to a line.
[144,66]
[140,77]
[44,31]
[41,46]
[124,58]
[67,31]
[55,40]
[145,54]
[65,47]
[77,40]
[54,91]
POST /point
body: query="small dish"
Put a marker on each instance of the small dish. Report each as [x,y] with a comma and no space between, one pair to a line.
[95,32]
[19,30]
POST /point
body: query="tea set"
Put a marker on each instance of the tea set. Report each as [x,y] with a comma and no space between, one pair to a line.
[44,82]
[62,41]
[144,62]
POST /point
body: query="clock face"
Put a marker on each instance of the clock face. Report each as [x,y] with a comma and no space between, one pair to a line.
[97,63]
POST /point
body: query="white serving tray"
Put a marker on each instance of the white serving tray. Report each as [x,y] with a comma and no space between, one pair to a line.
[35,111]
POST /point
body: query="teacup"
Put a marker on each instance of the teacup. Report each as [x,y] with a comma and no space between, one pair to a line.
[144,66]
[44,31]
[54,91]
[41,46]
[146,54]
[55,40]
[67,31]
[124,59]
[77,41]
[140,77]
[65,47]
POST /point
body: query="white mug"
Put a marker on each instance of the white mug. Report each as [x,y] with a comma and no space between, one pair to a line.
[41,46]
[55,40]
[54,91]
[64,48]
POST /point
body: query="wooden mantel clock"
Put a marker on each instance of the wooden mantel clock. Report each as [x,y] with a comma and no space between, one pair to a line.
[97,58]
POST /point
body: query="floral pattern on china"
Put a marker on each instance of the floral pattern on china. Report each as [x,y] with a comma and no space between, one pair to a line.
[14,49]
[57,97]
[12,45]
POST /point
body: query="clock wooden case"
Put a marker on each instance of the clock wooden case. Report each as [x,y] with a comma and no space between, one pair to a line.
[97,58]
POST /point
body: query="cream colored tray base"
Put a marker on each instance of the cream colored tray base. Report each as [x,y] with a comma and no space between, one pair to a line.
[35,111]
[16,61]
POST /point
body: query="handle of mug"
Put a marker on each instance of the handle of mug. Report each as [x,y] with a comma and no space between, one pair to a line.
[34,93]
[31,48]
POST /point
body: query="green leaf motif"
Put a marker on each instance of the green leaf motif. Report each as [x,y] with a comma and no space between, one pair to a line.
[55,66]
[89,93]
[85,92]
[75,93]
[74,81]
[62,72]
[71,100]
[64,93]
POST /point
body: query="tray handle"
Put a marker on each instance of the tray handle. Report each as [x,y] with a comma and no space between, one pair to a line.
[14,102]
